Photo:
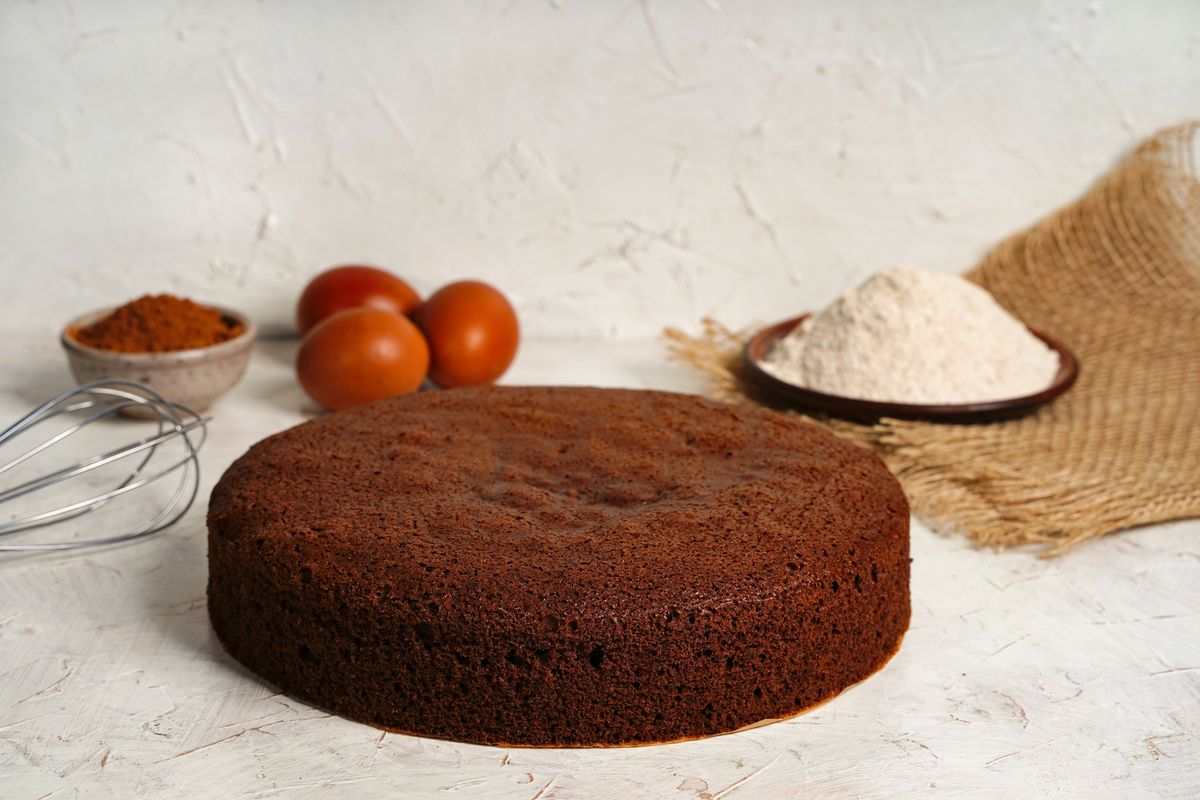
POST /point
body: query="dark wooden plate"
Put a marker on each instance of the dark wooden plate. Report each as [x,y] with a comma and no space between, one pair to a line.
[811,401]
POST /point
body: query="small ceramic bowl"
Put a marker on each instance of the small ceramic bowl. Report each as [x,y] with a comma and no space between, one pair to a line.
[194,378]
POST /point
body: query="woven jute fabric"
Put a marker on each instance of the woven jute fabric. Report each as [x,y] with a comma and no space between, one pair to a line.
[1116,276]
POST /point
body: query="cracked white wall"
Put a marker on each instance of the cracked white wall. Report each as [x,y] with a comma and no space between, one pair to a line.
[613,167]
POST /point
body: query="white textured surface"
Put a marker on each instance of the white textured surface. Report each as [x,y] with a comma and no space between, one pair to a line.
[614,166]
[1019,678]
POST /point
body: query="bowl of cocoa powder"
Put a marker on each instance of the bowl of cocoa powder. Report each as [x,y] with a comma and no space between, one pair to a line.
[189,352]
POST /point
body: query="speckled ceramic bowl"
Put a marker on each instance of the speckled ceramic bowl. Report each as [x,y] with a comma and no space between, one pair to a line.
[194,378]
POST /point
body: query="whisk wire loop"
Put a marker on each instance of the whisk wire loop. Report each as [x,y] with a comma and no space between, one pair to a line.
[106,398]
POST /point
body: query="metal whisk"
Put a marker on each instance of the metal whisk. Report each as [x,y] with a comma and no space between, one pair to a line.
[119,471]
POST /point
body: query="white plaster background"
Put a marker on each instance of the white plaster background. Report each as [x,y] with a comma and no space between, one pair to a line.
[613,166]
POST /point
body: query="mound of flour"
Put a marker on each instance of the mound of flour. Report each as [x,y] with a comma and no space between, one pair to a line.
[914,336]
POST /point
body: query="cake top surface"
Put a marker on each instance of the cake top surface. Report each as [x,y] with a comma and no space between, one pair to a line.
[581,500]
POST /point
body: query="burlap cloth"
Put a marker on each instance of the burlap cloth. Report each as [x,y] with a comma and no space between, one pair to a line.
[1116,276]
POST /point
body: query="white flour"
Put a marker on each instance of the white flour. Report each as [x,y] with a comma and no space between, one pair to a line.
[913,336]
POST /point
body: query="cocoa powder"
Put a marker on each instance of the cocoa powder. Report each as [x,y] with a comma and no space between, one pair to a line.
[157,324]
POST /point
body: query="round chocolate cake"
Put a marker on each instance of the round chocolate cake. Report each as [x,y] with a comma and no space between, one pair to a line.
[559,566]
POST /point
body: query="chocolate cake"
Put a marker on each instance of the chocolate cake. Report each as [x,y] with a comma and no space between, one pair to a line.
[559,566]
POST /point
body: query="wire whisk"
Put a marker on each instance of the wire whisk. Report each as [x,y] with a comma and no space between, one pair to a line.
[169,453]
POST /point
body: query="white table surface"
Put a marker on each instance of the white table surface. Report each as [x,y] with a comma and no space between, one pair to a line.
[1019,677]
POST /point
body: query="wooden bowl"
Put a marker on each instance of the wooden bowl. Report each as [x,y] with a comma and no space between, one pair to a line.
[812,401]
